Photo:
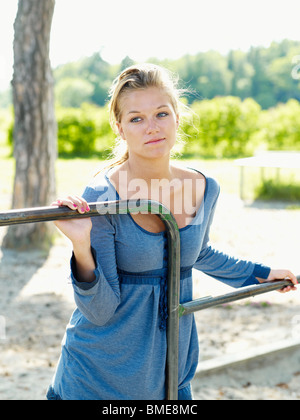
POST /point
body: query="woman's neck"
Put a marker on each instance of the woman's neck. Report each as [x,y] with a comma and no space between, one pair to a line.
[148,169]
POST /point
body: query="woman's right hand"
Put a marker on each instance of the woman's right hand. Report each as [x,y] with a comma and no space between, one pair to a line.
[77,230]
[79,233]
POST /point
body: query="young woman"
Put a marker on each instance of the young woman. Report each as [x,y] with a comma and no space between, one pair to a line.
[115,343]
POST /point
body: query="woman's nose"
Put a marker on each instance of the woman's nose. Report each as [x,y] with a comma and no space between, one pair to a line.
[152,126]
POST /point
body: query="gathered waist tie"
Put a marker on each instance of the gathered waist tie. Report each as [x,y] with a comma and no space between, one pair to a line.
[155,278]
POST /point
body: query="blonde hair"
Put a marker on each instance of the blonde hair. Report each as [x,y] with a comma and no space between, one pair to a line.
[139,77]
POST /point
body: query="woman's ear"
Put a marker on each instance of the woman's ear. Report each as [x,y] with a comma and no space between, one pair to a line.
[120,130]
[177,121]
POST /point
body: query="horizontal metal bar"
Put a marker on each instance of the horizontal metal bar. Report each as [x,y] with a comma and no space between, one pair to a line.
[244,292]
[50,213]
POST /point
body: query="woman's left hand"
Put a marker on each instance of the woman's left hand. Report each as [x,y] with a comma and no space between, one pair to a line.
[282,275]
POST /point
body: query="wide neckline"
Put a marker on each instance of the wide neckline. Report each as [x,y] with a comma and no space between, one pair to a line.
[163,232]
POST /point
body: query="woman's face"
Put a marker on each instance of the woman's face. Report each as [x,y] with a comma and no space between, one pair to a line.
[148,122]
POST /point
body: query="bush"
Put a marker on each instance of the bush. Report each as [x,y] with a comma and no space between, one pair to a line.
[76,132]
[222,127]
[281,126]
[282,191]
[105,137]
[83,131]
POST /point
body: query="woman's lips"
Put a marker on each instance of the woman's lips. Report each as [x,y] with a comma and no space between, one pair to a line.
[155,141]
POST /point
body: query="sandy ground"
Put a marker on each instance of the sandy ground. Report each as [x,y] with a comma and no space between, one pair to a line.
[36,303]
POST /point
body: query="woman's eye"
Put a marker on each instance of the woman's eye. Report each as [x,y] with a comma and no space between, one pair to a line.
[135,119]
[162,114]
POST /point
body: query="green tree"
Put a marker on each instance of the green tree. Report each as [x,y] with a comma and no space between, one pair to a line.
[261,85]
[242,72]
[94,70]
[72,92]
[284,87]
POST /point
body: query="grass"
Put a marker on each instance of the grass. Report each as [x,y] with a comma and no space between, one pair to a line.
[271,190]
[73,174]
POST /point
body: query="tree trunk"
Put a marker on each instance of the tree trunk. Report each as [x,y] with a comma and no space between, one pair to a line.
[35,125]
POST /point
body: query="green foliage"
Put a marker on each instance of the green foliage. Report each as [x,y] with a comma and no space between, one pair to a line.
[280,126]
[72,92]
[6,117]
[222,127]
[83,131]
[76,132]
[6,129]
[282,191]
[263,74]
[205,73]
[96,73]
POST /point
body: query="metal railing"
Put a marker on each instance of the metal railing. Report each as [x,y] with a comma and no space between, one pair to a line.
[175,309]
[45,214]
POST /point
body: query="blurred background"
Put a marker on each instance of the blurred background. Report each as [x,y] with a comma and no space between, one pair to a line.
[241,61]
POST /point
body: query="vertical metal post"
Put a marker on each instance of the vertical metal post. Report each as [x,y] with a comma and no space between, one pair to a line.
[173,307]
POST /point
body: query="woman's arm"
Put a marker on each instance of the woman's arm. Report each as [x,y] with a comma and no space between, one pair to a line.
[233,271]
[78,231]
[93,264]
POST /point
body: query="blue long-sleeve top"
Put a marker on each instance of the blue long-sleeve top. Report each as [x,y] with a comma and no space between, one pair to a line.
[115,343]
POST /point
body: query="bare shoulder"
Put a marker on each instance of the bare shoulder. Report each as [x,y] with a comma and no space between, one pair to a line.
[192,180]
[187,173]
[116,177]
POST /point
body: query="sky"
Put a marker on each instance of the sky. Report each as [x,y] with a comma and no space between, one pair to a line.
[143,29]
